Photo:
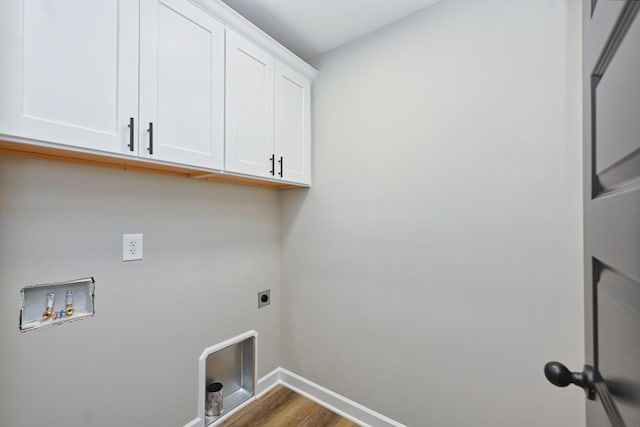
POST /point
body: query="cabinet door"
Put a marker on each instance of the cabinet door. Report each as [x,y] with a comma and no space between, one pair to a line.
[69,71]
[181,84]
[292,125]
[249,108]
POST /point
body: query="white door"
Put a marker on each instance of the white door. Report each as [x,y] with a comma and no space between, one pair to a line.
[292,125]
[69,72]
[249,109]
[181,84]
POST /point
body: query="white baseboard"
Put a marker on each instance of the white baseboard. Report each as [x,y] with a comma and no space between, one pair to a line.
[268,382]
[196,422]
[342,406]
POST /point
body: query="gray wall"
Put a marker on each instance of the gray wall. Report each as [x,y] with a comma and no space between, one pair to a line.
[429,274]
[208,249]
[435,265]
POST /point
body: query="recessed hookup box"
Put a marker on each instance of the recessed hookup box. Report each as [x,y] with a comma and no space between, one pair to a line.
[56,303]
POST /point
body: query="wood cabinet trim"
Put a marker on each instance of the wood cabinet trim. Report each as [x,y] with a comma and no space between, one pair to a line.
[9,148]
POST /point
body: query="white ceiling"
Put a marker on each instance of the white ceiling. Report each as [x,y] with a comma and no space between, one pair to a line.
[312,27]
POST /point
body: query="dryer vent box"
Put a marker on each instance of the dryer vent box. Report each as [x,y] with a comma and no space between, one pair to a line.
[232,363]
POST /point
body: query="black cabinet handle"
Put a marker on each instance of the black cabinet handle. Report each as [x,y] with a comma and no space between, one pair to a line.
[272,159]
[131,132]
[281,161]
[150,130]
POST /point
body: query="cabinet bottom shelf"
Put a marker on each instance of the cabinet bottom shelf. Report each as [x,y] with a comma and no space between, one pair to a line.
[18,149]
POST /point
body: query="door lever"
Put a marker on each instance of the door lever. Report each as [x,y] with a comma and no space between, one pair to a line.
[560,376]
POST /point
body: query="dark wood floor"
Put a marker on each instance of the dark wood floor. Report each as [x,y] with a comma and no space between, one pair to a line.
[282,407]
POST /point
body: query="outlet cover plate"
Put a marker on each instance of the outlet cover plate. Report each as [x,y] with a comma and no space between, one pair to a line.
[131,247]
[264,298]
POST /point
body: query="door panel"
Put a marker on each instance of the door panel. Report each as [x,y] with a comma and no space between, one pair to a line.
[249,108]
[53,39]
[68,80]
[182,89]
[617,102]
[615,232]
[618,332]
[293,124]
[601,19]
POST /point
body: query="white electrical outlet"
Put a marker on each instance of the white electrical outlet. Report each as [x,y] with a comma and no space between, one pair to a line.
[131,247]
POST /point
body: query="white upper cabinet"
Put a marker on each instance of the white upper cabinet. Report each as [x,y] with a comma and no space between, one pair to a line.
[268,125]
[186,83]
[181,84]
[68,80]
[292,125]
[249,108]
